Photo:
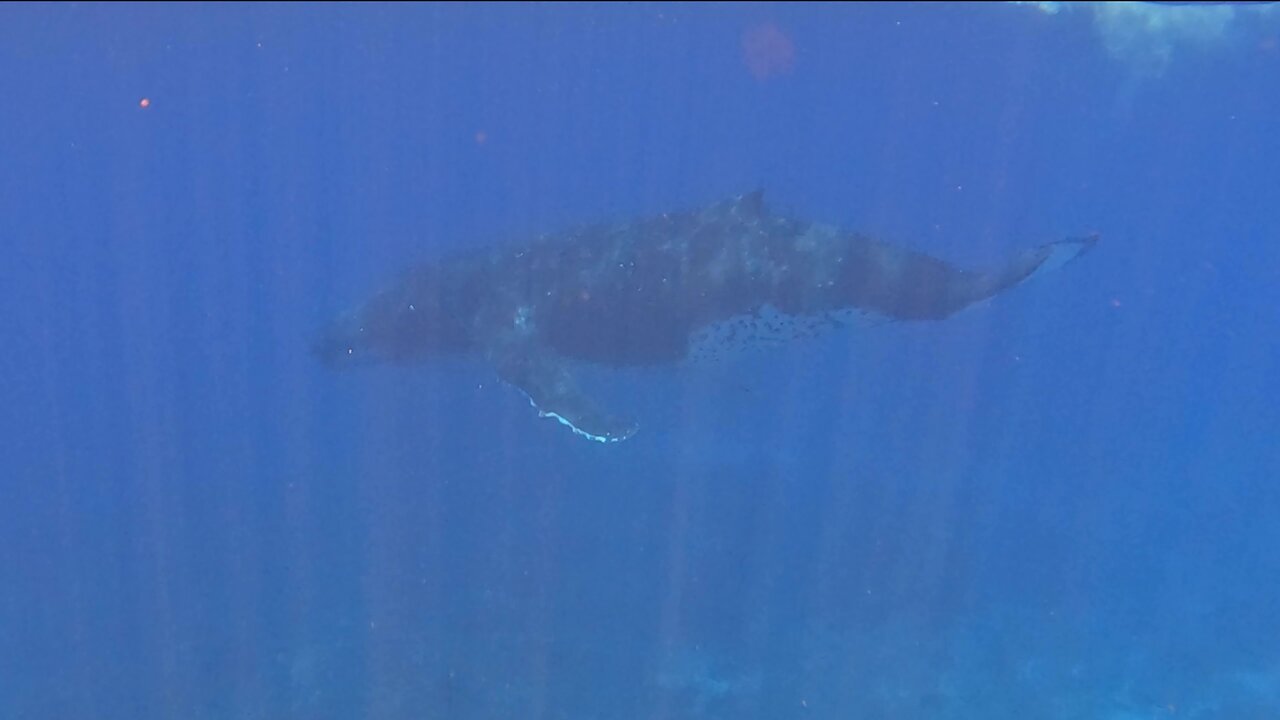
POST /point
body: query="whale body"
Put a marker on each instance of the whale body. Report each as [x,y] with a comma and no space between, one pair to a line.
[654,291]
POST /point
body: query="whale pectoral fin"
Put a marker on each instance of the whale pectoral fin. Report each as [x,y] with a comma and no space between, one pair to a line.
[545,379]
[1030,264]
[1051,256]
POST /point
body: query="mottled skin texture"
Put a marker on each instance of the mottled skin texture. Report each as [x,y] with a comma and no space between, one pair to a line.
[633,294]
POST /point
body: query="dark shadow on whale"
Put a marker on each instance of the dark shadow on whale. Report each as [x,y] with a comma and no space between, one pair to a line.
[654,291]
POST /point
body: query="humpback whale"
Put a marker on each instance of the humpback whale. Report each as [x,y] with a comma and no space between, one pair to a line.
[650,292]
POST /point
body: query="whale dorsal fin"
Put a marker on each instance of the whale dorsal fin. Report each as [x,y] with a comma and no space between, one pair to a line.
[750,205]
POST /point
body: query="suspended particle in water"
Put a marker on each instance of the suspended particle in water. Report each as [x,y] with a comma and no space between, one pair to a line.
[768,51]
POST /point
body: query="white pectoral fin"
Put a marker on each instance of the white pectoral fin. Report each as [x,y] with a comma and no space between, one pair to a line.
[1036,262]
[545,379]
[1057,254]
[1027,265]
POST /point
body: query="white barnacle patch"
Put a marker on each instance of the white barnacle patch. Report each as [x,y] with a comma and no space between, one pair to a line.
[813,239]
[721,266]
[522,320]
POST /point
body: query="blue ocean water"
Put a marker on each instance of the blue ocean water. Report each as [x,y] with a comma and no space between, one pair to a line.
[1060,504]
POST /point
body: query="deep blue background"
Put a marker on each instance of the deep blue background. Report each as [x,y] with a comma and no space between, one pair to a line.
[1061,502]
